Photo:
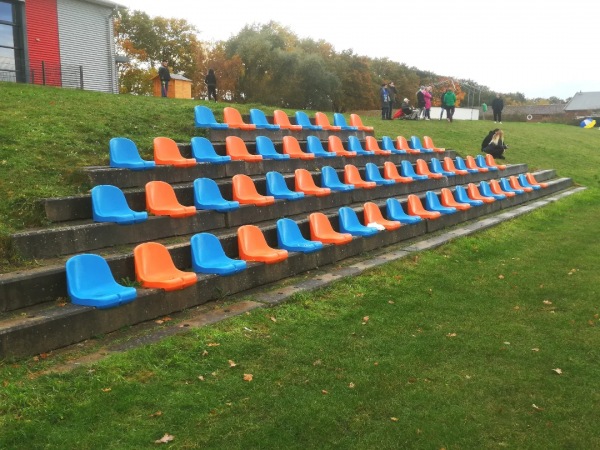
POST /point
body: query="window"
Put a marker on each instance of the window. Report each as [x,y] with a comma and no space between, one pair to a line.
[12,67]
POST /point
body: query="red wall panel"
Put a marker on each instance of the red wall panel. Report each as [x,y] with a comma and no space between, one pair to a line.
[42,40]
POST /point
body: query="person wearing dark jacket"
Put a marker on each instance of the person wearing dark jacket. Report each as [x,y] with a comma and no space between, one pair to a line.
[496,146]
[392,94]
[486,140]
[211,83]
[421,101]
[497,107]
[165,76]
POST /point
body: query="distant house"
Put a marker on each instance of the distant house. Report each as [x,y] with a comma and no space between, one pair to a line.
[584,104]
[68,43]
[534,113]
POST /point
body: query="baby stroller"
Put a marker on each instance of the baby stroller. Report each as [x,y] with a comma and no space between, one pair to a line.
[411,114]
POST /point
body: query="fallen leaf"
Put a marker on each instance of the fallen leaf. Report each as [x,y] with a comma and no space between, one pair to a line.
[213,344]
[106,389]
[200,377]
[156,414]
[159,321]
[324,392]
[536,407]
[535,349]
[248,377]
[231,363]
[451,335]
[558,371]
[205,353]
[165,439]
[547,302]
[317,362]
[501,277]
[516,308]
[394,419]
[366,319]
[506,343]
[391,302]
[351,385]
[273,319]
[375,363]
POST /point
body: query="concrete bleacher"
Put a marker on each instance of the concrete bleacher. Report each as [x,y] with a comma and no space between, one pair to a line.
[36,316]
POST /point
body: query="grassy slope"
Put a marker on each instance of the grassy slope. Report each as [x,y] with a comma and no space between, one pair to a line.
[459,345]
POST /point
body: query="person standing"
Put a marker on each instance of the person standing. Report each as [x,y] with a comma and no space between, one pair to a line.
[497,107]
[392,95]
[427,96]
[165,76]
[450,101]
[211,82]
[421,101]
[442,105]
[385,101]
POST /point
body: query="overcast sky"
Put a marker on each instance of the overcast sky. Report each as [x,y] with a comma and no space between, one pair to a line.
[527,46]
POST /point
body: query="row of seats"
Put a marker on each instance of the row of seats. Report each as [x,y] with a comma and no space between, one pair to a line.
[110,205]
[204,118]
[91,283]
[123,152]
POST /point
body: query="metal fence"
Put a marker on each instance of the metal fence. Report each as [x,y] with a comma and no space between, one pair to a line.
[45,73]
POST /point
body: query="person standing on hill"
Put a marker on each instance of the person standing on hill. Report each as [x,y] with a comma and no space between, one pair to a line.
[497,107]
[392,94]
[427,96]
[442,105]
[421,101]
[165,76]
[211,83]
[385,101]
[450,101]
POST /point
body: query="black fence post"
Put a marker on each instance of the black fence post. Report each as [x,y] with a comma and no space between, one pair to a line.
[43,74]
[81,76]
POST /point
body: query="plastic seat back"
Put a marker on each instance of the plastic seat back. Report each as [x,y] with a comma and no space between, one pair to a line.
[110,205]
[474,194]
[166,152]
[450,167]
[124,154]
[402,144]
[281,118]
[480,161]
[244,191]
[447,199]
[204,118]
[423,169]
[253,246]
[472,164]
[336,146]
[357,122]
[523,181]
[396,212]
[289,237]
[161,200]
[516,184]
[204,151]
[323,121]
[372,173]
[266,148]
[305,183]
[532,181]
[415,208]
[354,145]
[303,120]
[340,121]
[352,176]
[237,150]
[315,146]
[322,231]
[497,189]
[505,184]
[154,268]
[90,282]
[258,118]
[388,144]
[277,187]
[432,203]
[291,147]
[436,167]
[233,118]
[491,162]
[373,214]
[486,191]
[428,143]
[415,143]
[349,223]
[390,172]
[461,165]
[372,145]
[461,195]
[209,257]
[407,170]
[207,196]
[331,180]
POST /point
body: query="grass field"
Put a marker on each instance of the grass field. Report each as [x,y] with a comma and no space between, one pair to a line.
[490,341]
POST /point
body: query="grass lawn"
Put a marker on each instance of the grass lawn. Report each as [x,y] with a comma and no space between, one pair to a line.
[490,341]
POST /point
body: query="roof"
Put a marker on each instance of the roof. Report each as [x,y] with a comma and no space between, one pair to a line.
[584,101]
[107,3]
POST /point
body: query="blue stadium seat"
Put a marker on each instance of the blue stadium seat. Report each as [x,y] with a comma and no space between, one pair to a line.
[432,203]
[354,145]
[90,282]
[461,165]
[436,167]
[315,146]
[110,205]
[505,185]
[407,170]
[340,121]
[208,196]
[277,187]
[395,212]
[388,144]
[523,181]
[480,160]
[415,144]
[258,118]
[303,120]
[349,223]
[486,191]
[209,257]
[266,148]
[204,118]
[124,154]
[372,173]
[460,193]
[203,151]
[331,180]
[289,237]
